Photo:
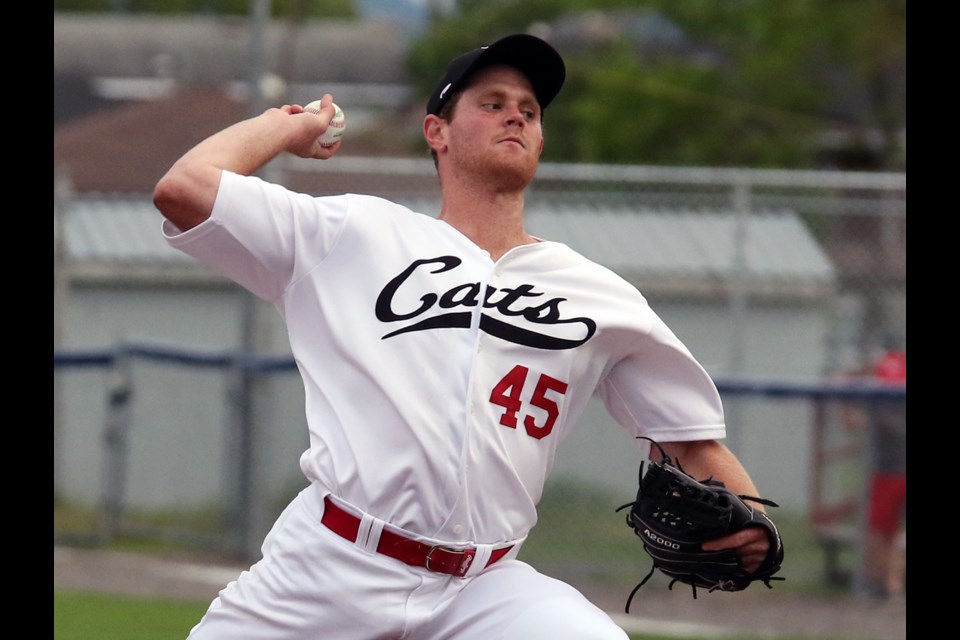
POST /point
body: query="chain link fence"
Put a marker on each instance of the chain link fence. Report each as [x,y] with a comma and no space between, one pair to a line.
[146,433]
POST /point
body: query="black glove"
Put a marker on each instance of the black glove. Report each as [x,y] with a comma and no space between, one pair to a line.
[674,514]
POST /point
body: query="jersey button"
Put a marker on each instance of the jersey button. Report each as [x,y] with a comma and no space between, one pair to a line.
[458,529]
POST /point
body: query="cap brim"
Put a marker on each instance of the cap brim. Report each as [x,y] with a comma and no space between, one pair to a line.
[533,57]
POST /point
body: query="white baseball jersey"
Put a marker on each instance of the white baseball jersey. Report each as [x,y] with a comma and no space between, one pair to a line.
[438,382]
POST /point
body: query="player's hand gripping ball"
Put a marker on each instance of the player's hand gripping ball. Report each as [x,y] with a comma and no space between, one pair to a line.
[336,127]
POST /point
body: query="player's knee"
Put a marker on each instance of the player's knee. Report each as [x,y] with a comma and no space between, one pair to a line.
[552,620]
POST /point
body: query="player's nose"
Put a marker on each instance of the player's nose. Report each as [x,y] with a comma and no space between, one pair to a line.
[513,115]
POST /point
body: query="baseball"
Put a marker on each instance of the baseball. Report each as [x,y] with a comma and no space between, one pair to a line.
[336,127]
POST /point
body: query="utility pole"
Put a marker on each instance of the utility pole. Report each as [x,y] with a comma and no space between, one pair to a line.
[242,470]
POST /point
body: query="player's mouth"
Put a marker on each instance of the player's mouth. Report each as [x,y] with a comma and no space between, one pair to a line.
[515,140]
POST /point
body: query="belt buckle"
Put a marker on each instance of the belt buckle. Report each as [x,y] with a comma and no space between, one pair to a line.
[461,568]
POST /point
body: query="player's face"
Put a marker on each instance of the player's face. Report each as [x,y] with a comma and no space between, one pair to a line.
[496,127]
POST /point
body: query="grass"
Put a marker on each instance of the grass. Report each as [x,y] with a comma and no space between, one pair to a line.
[81,616]
[579,537]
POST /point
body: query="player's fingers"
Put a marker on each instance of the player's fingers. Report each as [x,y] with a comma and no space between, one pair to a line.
[751,544]
[324,152]
[317,151]
[752,559]
[327,102]
[735,540]
[325,107]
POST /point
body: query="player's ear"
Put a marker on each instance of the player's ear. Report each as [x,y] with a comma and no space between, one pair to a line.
[435,132]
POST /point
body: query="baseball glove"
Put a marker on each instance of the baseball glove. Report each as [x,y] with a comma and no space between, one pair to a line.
[674,514]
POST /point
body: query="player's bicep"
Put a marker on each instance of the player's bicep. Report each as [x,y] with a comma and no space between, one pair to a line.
[660,390]
[261,235]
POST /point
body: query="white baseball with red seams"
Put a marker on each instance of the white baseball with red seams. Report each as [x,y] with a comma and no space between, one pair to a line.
[337,126]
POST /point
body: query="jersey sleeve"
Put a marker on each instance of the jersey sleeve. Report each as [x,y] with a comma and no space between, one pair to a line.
[661,391]
[262,235]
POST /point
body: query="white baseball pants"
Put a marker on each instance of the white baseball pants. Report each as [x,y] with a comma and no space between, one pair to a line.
[311,583]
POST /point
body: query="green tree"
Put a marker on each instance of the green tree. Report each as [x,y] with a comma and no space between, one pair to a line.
[763,84]
[279,8]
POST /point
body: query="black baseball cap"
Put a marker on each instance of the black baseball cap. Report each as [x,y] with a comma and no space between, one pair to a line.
[533,57]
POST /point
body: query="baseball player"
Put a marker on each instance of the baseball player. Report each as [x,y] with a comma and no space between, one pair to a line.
[444,359]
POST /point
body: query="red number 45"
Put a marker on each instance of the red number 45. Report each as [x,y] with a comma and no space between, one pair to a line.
[507,395]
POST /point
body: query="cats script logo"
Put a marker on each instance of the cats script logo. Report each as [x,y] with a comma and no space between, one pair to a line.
[525,315]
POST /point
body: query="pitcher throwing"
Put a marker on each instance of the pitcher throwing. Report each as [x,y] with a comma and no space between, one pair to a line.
[444,359]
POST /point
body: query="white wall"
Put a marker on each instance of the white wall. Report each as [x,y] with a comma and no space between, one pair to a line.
[181,428]
[772,437]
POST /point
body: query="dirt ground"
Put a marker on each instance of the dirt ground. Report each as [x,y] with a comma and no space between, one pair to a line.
[756,611]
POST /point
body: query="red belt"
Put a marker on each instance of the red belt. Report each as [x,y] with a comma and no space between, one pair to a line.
[440,558]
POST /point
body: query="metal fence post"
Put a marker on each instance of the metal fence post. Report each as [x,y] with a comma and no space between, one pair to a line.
[115,450]
[236,481]
[62,196]
[737,283]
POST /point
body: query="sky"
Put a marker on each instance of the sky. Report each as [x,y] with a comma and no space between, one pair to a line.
[412,14]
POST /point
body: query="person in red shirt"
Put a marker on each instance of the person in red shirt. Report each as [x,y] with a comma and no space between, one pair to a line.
[884,571]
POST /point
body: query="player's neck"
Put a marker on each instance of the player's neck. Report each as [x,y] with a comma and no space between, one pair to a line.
[493,224]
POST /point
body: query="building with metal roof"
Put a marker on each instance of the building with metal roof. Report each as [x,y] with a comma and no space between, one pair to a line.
[661,251]
[119,282]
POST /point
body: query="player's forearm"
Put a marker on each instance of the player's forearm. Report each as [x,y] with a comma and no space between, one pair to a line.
[247,146]
[710,458]
[186,194]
